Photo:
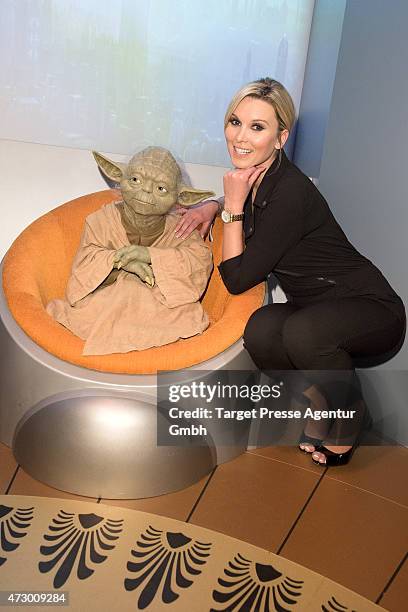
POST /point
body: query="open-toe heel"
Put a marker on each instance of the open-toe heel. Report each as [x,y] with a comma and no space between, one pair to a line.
[309,440]
[335,459]
[332,458]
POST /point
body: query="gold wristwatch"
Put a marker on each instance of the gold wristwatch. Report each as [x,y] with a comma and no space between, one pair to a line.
[228,217]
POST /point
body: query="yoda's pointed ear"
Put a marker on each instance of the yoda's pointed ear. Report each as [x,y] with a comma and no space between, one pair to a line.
[189,196]
[113,170]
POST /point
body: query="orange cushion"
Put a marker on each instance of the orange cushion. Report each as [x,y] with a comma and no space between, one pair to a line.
[36,270]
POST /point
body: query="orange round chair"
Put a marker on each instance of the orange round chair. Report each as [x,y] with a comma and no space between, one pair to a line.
[46,379]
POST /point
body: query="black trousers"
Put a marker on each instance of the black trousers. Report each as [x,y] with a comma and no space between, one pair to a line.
[325,336]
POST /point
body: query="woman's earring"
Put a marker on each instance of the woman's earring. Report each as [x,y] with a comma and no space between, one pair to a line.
[279,162]
[279,156]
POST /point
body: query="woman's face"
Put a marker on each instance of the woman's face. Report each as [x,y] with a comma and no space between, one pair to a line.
[252,134]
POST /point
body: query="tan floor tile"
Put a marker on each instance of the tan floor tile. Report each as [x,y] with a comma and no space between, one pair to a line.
[353,537]
[26,485]
[396,597]
[7,467]
[288,454]
[254,499]
[176,505]
[379,469]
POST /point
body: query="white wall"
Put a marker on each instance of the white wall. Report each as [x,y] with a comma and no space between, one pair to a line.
[363,171]
[364,166]
[322,56]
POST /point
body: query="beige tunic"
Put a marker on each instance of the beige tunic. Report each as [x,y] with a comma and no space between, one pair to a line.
[129,315]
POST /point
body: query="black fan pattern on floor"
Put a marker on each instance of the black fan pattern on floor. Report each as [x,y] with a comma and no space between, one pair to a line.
[83,540]
[247,585]
[334,606]
[167,562]
[14,524]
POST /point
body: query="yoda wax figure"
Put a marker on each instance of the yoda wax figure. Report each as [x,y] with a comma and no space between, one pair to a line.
[133,284]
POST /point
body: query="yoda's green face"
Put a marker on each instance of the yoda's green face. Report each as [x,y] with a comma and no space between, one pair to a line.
[150,186]
[151,182]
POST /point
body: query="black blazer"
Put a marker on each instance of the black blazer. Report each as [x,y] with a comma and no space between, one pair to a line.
[291,232]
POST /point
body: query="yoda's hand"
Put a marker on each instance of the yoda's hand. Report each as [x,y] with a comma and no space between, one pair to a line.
[130,253]
[142,270]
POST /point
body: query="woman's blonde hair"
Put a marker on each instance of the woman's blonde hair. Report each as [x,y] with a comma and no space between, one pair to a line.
[272,92]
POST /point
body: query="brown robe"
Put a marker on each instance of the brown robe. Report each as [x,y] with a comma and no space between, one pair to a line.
[128,314]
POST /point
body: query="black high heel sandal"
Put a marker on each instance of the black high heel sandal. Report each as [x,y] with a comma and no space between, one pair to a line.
[332,458]
[305,439]
[335,459]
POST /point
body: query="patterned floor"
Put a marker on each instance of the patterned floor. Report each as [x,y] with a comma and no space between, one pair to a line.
[348,524]
[102,558]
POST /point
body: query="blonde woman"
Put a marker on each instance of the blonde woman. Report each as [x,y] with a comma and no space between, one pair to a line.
[339,304]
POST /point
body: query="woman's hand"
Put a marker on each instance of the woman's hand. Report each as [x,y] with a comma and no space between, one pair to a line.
[193,217]
[238,184]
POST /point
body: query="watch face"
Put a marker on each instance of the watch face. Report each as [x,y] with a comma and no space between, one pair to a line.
[225,216]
